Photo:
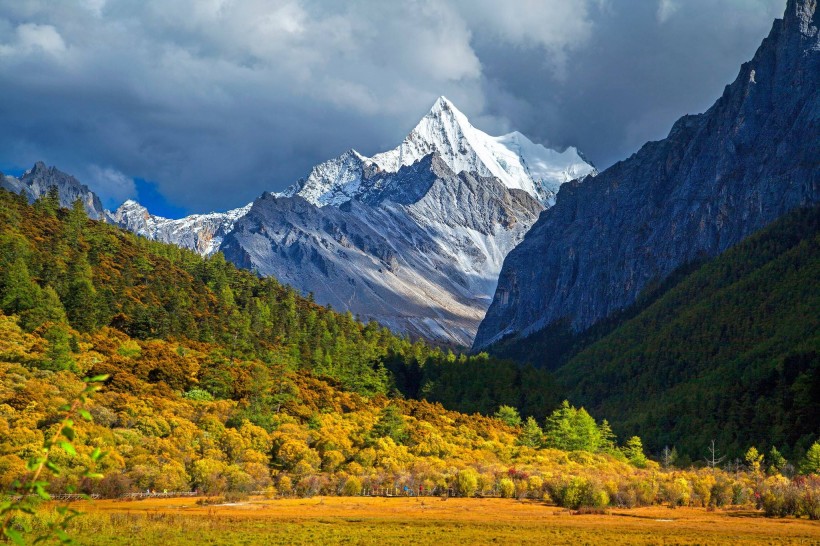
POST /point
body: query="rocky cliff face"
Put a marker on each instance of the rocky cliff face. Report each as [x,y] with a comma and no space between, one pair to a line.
[419,252]
[718,176]
[36,182]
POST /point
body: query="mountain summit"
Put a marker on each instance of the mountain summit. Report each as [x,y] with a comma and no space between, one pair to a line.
[718,177]
[514,159]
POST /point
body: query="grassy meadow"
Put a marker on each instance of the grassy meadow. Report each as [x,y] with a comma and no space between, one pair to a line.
[428,520]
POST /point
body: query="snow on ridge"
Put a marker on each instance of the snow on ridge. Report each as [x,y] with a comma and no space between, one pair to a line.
[512,158]
[202,233]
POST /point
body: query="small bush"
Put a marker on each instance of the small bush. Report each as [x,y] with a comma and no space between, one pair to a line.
[467,482]
[577,492]
[507,488]
[352,487]
[198,394]
[721,493]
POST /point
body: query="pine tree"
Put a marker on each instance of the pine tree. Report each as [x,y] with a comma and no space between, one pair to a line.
[777,463]
[633,450]
[80,298]
[20,293]
[390,424]
[811,462]
[572,429]
[558,428]
[607,438]
[48,308]
[50,202]
[531,434]
[509,415]
[58,355]
[75,224]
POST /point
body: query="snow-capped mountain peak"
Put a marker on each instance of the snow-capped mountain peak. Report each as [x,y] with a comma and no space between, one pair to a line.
[514,159]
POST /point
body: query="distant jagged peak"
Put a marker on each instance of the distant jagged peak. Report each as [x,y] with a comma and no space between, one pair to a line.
[130,204]
[40,178]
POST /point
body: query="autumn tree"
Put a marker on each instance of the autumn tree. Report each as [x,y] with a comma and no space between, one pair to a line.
[754,460]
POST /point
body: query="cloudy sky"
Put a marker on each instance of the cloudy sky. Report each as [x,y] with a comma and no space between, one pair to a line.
[198,105]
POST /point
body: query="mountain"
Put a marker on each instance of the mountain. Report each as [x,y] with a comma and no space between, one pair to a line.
[513,159]
[413,237]
[418,250]
[202,233]
[36,182]
[718,177]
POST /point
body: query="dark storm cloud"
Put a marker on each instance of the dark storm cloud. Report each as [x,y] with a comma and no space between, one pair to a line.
[644,65]
[216,101]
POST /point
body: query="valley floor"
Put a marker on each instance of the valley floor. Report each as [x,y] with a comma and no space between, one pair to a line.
[429,520]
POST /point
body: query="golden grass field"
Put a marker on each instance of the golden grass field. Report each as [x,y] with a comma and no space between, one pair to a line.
[421,521]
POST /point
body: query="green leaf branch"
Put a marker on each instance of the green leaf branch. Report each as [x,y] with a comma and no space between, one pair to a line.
[23,496]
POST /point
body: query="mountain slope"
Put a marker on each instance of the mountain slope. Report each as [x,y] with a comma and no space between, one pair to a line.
[731,352]
[36,182]
[418,251]
[718,177]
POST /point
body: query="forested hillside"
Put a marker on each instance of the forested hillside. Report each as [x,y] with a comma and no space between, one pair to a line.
[725,350]
[61,271]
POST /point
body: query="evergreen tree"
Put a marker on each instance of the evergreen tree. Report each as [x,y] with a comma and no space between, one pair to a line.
[48,308]
[572,429]
[531,434]
[58,355]
[50,202]
[390,424]
[811,462]
[777,463]
[509,415]
[80,298]
[607,438]
[20,293]
[633,450]
[75,224]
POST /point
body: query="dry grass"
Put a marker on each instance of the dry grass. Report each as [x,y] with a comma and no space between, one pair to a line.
[354,520]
